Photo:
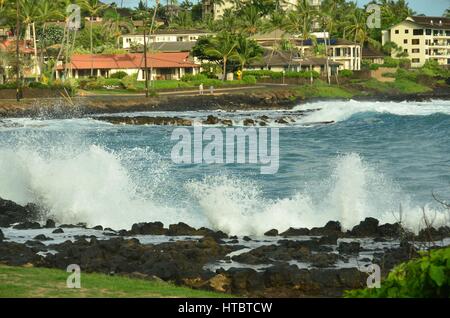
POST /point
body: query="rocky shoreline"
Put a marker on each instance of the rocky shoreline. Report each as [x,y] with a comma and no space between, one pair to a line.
[257,99]
[299,262]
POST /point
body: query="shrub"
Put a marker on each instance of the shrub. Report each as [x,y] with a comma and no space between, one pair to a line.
[191,77]
[426,277]
[119,75]
[9,85]
[391,62]
[389,74]
[37,85]
[346,73]
[249,79]
[130,82]
[374,66]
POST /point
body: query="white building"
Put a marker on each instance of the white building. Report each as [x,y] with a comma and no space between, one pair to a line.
[217,10]
[162,36]
[422,38]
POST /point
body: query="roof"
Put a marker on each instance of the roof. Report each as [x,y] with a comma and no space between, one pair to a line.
[10,45]
[368,52]
[172,46]
[308,42]
[130,61]
[427,22]
[280,58]
[431,22]
[172,32]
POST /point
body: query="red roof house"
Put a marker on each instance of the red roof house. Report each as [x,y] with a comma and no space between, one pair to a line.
[161,65]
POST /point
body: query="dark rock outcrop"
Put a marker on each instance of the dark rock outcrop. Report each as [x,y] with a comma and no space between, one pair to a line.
[366,228]
[349,248]
[50,224]
[42,237]
[58,231]
[11,213]
[152,228]
[295,232]
[331,228]
[2,236]
[27,225]
[272,232]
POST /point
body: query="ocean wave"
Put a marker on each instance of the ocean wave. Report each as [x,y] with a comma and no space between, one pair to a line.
[339,111]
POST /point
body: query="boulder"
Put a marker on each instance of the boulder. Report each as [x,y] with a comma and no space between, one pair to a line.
[332,227]
[98,228]
[328,239]
[211,120]
[349,248]
[295,232]
[249,122]
[11,213]
[246,238]
[42,237]
[323,259]
[2,236]
[272,232]
[181,229]
[49,224]
[27,225]
[58,231]
[16,254]
[152,228]
[390,230]
[366,228]
[244,280]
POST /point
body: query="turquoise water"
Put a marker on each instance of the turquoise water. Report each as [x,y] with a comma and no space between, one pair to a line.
[377,159]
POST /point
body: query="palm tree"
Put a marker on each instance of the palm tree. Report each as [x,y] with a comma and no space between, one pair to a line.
[224,47]
[247,51]
[114,24]
[30,15]
[251,21]
[93,7]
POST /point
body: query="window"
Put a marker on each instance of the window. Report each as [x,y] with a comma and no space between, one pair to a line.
[405,50]
[405,41]
[397,31]
[415,51]
[415,60]
[415,41]
[406,31]
[428,31]
[418,31]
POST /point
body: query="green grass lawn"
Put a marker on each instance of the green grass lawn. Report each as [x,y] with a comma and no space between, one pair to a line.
[30,282]
[323,90]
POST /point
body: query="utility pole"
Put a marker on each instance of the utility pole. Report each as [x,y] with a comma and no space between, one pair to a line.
[18,88]
[145,50]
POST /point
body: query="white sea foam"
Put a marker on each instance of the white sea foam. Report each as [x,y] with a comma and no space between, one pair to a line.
[342,110]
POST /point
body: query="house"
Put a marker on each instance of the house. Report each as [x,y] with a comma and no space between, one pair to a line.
[345,52]
[160,66]
[164,35]
[422,38]
[216,10]
[30,67]
[5,33]
[372,55]
[283,61]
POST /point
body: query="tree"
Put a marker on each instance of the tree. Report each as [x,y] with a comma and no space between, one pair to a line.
[93,7]
[224,48]
[115,24]
[247,51]
[251,20]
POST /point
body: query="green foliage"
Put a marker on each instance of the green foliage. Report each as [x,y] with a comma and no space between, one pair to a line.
[323,90]
[346,73]
[249,79]
[119,75]
[277,75]
[426,277]
[22,282]
[374,66]
[191,77]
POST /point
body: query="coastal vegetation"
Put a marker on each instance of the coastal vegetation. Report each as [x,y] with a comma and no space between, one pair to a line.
[33,282]
[424,277]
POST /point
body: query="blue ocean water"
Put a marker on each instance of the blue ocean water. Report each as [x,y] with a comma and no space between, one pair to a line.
[377,159]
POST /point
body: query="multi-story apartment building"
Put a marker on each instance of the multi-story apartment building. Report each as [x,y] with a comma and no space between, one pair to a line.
[162,36]
[423,38]
[346,53]
[217,10]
